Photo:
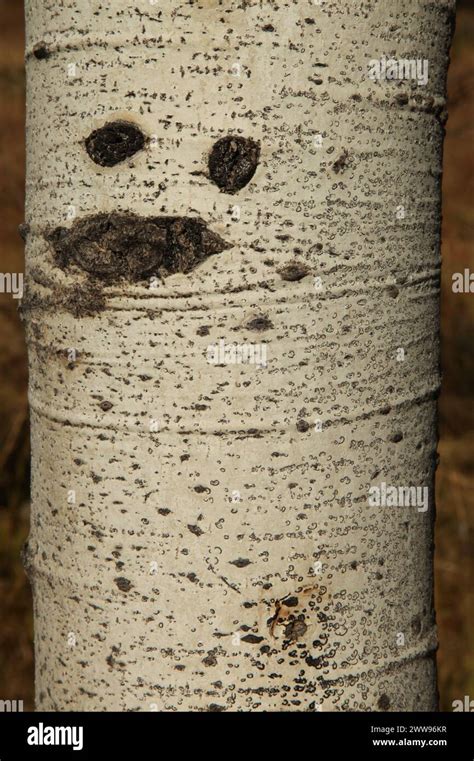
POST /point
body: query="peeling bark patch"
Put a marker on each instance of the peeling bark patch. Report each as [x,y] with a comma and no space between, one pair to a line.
[41,51]
[111,247]
[114,142]
[233,162]
[293,271]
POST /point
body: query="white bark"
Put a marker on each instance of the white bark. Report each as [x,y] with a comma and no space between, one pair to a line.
[158,588]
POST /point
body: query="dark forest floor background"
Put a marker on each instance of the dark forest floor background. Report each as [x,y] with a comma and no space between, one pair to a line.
[455,476]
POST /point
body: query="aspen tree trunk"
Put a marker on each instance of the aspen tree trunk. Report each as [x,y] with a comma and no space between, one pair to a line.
[232,314]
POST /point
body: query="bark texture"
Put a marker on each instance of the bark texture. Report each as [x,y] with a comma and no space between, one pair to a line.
[197,542]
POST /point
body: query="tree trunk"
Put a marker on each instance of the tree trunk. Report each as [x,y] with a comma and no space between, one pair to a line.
[232,315]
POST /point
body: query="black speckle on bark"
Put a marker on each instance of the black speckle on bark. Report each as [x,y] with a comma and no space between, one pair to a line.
[252,639]
[396,437]
[111,247]
[114,142]
[233,162]
[240,562]
[316,663]
[302,426]
[383,702]
[41,51]
[341,163]
[401,98]
[195,530]
[106,406]
[259,324]
[200,489]
[123,584]
[293,271]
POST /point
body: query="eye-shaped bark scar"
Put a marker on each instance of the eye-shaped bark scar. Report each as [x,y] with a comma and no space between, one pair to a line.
[114,142]
[233,162]
[116,246]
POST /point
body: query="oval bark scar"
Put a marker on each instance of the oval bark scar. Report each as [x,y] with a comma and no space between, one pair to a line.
[233,162]
[114,142]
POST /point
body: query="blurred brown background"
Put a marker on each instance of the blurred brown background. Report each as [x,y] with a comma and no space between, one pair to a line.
[455,476]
